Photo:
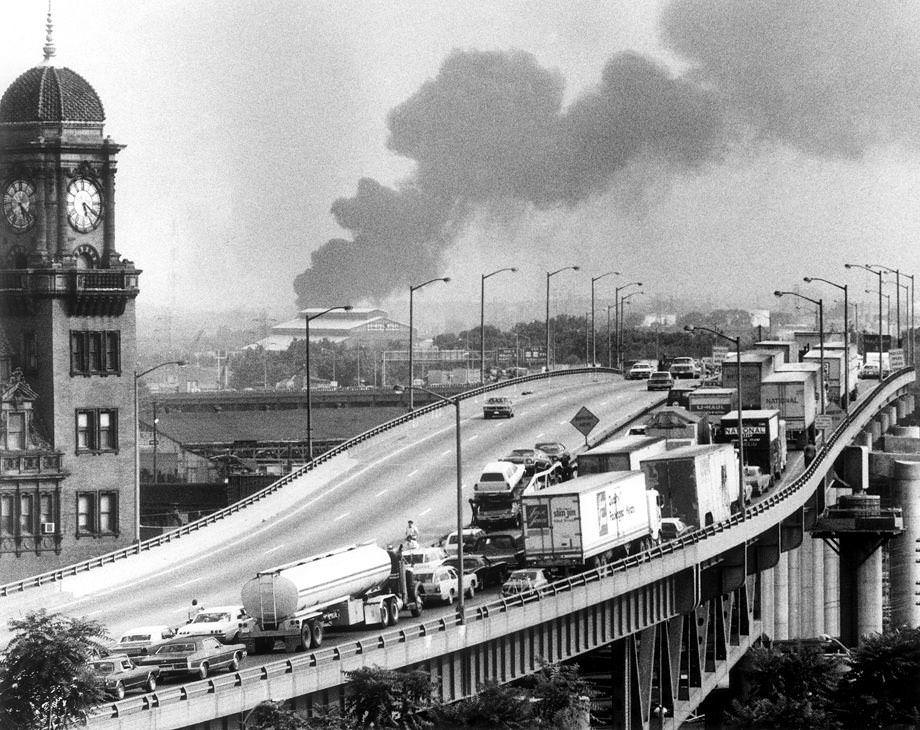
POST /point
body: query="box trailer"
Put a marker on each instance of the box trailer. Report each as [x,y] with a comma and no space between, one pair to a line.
[755,366]
[713,401]
[623,454]
[792,393]
[789,348]
[589,521]
[764,439]
[835,363]
[698,484]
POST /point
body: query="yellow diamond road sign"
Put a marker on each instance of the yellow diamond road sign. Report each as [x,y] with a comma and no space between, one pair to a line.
[585,421]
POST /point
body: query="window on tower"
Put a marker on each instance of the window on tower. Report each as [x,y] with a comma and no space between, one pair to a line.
[95,353]
[97,430]
[97,513]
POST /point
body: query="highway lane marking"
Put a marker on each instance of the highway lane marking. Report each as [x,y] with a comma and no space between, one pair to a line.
[412,473]
[446,452]
[603,403]
[384,491]
[471,438]
[189,582]
[271,550]
[562,423]
[422,514]
[342,516]
[544,405]
[271,524]
[540,435]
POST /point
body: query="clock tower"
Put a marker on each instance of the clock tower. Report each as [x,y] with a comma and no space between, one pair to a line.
[67,489]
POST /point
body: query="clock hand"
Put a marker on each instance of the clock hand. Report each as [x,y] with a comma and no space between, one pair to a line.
[89,211]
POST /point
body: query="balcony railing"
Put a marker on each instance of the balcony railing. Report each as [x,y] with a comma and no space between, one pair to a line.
[16,464]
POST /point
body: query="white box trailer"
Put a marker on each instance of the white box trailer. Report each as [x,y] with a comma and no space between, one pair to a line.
[698,484]
[589,520]
[714,401]
[834,364]
[793,394]
[755,366]
[790,348]
[623,454]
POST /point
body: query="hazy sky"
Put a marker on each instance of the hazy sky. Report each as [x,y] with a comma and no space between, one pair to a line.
[722,148]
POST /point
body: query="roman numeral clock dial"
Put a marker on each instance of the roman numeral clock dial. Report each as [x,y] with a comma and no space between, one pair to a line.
[19,205]
[84,205]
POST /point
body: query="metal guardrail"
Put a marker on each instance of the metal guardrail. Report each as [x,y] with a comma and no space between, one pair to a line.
[51,576]
[307,660]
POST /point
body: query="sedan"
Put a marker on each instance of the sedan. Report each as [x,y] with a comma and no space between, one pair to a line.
[555,450]
[222,622]
[488,572]
[198,655]
[119,674]
[442,583]
[139,639]
[533,460]
[521,581]
[640,371]
[673,528]
[660,380]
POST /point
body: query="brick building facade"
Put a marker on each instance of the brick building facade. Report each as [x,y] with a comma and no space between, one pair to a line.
[67,327]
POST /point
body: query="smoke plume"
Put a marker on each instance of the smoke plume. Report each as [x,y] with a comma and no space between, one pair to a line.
[491,132]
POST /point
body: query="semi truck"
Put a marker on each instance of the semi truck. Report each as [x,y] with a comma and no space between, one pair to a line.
[764,439]
[358,585]
[698,484]
[835,364]
[623,454]
[589,521]
[755,366]
[793,394]
[496,504]
[678,426]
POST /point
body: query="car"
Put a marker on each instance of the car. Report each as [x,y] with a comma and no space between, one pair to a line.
[756,480]
[523,580]
[198,655]
[533,460]
[501,546]
[119,674]
[555,450]
[673,528]
[139,639]
[488,572]
[869,370]
[427,556]
[222,622]
[470,535]
[499,476]
[660,380]
[498,406]
[640,371]
[685,367]
[440,583]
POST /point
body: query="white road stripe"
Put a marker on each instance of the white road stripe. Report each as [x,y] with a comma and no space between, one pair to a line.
[446,452]
[342,516]
[473,437]
[189,582]
[271,550]
[539,435]
[412,473]
[422,514]
[384,491]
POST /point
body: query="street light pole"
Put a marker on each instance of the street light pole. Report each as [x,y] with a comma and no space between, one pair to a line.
[482,321]
[846,338]
[593,328]
[412,289]
[616,326]
[742,498]
[455,402]
[307,319]
[879,275]
[137,444]
[549,275]
[609,361]
[820,305]
[620,326]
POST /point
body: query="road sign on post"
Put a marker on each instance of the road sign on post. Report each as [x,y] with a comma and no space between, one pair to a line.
[824,423]
[585,421]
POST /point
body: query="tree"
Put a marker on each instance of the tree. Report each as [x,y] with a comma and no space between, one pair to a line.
[883,687]
[45,678]
[789,688]
[382,698]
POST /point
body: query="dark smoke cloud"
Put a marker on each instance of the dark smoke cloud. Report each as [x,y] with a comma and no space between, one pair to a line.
[490,130]
[831,78]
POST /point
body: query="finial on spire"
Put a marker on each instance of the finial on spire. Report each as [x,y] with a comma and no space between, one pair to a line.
[49,48]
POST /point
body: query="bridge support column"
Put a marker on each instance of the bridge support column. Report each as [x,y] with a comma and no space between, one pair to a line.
[864,439]
[767,602]
[860,588]
[831,590]
[781,599]
[875,429]
[892,411]
[902,408]
[904,566]
[794,588]
[884,421]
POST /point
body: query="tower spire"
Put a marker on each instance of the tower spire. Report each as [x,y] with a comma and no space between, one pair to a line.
[49,48]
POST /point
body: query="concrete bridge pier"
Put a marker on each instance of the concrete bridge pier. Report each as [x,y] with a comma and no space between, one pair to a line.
[860,588]
[884,422]
[781,599]
[903,551]
[892,415]
[875,429]
[864,439]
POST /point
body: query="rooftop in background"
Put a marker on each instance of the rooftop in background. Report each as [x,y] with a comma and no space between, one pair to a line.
[359,327]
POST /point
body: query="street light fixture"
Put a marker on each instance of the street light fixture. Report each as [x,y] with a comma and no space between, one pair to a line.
[846,336]
[621,321]
[737,342]
[897,280]
[307,319]
[137,444]
[911,345]
[482,321]
[820,304]
[879,275]
[455,402]
[412,290]
[549,275]
[887,315]
[593,329]
[616,304]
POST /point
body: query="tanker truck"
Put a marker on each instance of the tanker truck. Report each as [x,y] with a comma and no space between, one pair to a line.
[359,585]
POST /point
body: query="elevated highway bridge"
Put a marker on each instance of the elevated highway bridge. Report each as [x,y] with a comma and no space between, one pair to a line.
[678,616]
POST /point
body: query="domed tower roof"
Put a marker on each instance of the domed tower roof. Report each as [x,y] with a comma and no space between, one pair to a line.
[50,94]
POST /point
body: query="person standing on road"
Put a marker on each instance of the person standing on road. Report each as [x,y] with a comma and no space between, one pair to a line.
[411,535]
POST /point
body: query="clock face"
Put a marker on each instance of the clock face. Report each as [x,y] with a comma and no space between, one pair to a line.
[84,204]
[19,205]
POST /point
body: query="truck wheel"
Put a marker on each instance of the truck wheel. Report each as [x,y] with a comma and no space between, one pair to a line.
[394,611]
[151,683]
[306,636]
[471,591]
[119,691]
[316,629]
[203,671]
[418,605]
